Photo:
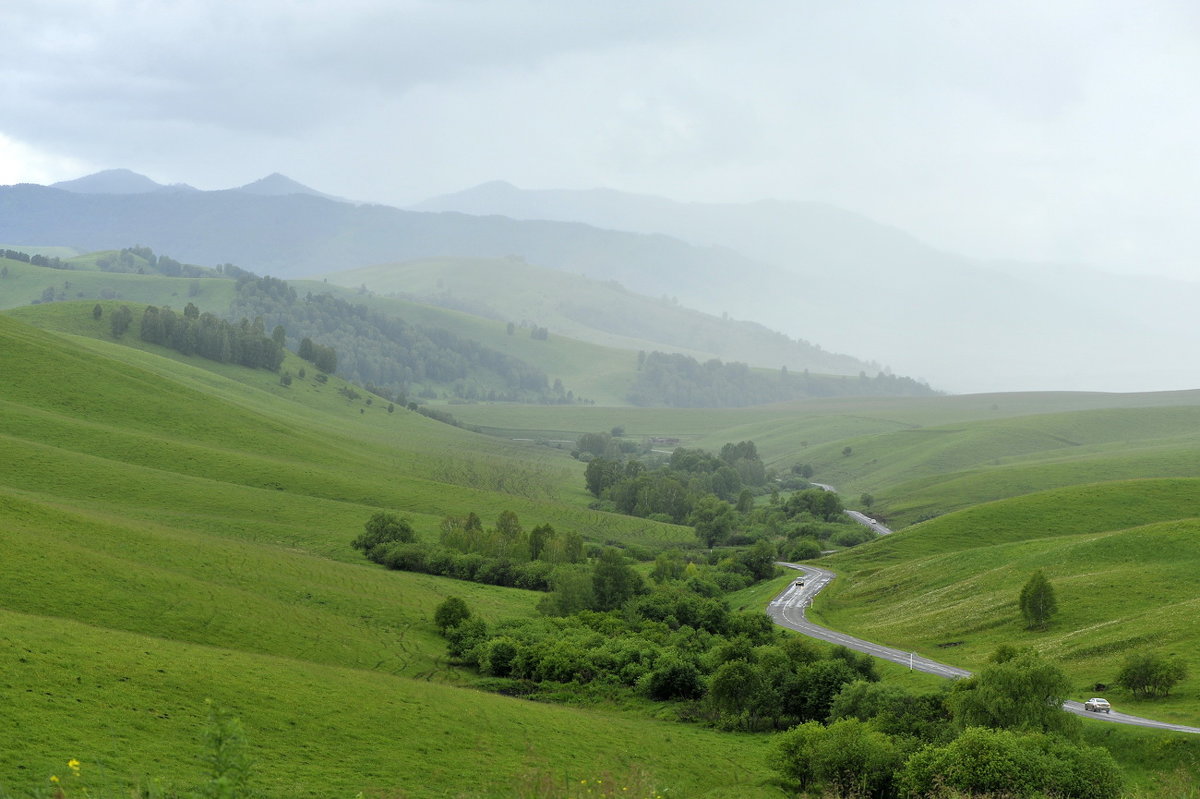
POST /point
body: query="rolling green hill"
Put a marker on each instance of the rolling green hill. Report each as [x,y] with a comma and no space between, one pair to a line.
[174,530]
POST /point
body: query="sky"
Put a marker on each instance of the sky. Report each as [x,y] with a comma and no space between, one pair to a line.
[1062,132]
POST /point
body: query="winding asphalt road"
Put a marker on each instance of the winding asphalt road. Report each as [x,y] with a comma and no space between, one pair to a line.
[787,609]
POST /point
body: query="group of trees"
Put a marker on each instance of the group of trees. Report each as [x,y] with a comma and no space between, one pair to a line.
[390,353]
[681,381]
[1001,732]
[320,356]
[504,554]
[674,490]
[206,335]
[715,494]
[142,260]
[52,261]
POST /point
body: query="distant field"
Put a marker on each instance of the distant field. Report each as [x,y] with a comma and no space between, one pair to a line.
[985,447]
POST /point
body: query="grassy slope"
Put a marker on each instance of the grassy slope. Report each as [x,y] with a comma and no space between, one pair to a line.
[169,533]
[25,284]
[1122,557]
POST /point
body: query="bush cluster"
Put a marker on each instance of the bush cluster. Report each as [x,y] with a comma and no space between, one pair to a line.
[735,670]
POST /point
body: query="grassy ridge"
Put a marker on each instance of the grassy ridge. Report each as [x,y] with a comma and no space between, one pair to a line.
[1122,558]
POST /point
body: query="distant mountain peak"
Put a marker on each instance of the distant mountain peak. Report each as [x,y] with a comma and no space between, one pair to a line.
[277,185]
[110,181]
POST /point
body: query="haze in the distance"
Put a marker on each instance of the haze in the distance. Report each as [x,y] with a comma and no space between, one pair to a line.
[1044,133]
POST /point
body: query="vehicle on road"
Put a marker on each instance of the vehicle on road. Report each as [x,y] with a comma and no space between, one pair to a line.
[1096,705]
[799,582]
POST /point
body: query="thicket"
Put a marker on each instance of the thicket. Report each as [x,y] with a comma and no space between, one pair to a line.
[680,381]
[387,352]
[674,489]
[192,332]
[677,642]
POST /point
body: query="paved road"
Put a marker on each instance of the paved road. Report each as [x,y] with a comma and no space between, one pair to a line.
[864,519]
[787,609]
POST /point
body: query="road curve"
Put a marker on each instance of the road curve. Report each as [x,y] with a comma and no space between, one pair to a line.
[788,610]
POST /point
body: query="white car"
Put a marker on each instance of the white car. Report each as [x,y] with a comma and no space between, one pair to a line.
[1096,704]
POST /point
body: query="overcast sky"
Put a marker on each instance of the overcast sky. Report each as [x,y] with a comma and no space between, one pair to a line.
[1065,131]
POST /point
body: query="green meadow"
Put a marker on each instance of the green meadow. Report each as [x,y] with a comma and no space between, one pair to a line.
[174,530]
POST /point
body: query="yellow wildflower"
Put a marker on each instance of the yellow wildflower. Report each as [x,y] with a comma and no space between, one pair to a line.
[54,779]
[73,764]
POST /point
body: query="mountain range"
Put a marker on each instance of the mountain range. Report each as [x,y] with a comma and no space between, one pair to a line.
[808,270]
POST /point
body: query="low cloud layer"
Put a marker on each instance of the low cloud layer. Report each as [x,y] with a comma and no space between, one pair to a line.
[1059,132]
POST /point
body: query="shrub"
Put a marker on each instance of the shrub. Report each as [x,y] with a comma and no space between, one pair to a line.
[674,678]
[848,757]
[1150,673]
[383,528]
[451,613]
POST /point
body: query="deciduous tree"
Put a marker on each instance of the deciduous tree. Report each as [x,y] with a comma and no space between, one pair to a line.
[1037,601]
[1151,673]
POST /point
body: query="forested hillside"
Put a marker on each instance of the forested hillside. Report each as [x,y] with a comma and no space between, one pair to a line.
[374,349]
[678,381]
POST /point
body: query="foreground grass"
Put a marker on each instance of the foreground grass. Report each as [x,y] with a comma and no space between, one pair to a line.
[131,708]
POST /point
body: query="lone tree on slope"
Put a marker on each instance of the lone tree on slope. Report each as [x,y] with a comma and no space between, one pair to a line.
[1037,601]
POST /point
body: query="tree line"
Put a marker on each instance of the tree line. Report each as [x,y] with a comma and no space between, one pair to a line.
[680,381]
[505,554]
[208,336]
[51,262]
